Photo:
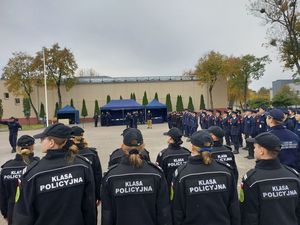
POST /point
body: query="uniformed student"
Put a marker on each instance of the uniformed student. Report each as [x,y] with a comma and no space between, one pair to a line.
[169,159]
[58,189]
[270,192]
[134,191]
[204,189]
[13,127]
[222,152]
[297,126]
[11,172]
[235,126]
[116,156]
[91,154]
[290,142]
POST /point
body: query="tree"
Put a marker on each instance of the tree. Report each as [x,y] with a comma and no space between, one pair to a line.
[1,109]
[209,69]
[42,111]
[241,71]
[84,112]
[285,97]
[191,105]
[20,76]
[72,103]
[145,99]
[257,102]
[121,98]
[179,104]
[133,97]
[56,109]
[156,96]
[282,18]
[96,110]
[26,108]
[108,99]
[60,68]
[169,103]
[202,104]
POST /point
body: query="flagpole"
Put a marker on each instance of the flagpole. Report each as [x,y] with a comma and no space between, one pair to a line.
[45,84]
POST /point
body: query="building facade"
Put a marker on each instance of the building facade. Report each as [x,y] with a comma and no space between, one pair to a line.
[97,88]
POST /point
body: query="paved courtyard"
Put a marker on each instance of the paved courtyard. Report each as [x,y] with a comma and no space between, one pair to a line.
[107,139]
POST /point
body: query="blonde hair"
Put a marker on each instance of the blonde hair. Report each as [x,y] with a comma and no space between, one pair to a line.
[66,144]
[81,140]
[25,152]
[134,159]
[205,156]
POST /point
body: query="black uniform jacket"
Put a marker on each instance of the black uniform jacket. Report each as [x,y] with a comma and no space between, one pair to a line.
[92,155]
[205,194]
[116,156]
[270,195]
[224,153]
[170,159]
[11,172]
[55,191]
[135,196]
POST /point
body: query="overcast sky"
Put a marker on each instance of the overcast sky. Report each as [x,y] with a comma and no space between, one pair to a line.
[136,37]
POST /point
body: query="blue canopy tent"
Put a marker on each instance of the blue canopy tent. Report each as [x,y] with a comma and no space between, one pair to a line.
[68,112]
[119,108]
[158,111]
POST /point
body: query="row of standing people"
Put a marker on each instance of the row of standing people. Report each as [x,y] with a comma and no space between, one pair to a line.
[201,183]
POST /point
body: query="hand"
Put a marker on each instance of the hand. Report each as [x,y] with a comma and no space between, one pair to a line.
[98,202]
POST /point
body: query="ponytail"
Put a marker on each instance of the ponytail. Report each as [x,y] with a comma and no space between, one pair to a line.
[25,152]
[81,140]
[133,154]
[206,157]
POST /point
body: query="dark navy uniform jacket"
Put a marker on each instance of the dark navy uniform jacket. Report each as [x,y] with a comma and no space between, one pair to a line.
[219,121]
[235,126]
[290,123]
[270,195]
[290,146]
[261,124]
[226,125]
[170,159]
[297,129]
[13,126]
[55,191]
[92,155]
[210,121]
[224,153]
[135,196]
[205,194]
[204,122]
[116,156]
[247,122]
[11,172]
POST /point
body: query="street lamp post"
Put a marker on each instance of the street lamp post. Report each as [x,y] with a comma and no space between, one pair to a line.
[46,93]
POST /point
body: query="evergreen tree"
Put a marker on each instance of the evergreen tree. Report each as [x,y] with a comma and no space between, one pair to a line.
[42,111]
[56,109]
[96,110]
[181,104]
[156,96]
[178,103]
[71,103]
[121,98]
[133,97]
[26,107]
[108,99]
[1,109]
[84,112]
[190,104]
[145,99]
[202,104]
[169,103]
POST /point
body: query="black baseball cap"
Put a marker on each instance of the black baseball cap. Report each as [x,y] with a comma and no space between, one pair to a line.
[217,131]
[201,139]
[267,140]
[133,137]
[58,130]
[174,133]
[263,107]
[77,131]
[276,114]
[25,140]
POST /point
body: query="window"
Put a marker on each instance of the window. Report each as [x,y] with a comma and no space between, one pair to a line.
[6,95]
[17,101]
